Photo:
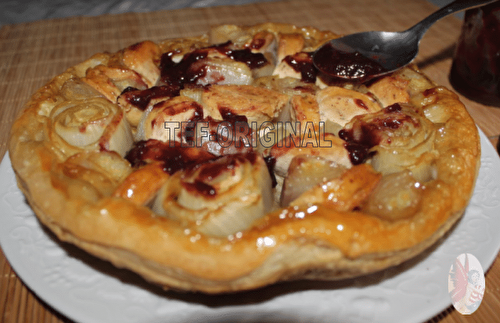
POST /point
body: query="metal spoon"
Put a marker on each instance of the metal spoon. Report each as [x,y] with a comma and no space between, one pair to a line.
[366,55]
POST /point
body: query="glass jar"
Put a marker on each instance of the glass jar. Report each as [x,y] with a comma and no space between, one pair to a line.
[475,71]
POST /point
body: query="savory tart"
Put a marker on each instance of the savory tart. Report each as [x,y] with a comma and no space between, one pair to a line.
[227,162]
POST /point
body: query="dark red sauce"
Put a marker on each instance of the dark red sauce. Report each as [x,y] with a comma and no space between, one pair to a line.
[215,168]
[430,92]
[365,135]
[396,107]
[200,187]
[362,135]
[192,67]
[346,64]
[358,154]
[252,60]
[172,155]
[141,98]
[257,43]
[303,64]
[391,123]
[271,163]
[238,129]
[361,104]
[228,115]
[185,72]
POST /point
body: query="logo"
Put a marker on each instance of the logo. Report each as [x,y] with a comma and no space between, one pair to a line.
[466,284]
[243,134]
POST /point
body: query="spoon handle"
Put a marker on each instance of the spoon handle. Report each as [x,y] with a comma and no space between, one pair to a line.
[452,7]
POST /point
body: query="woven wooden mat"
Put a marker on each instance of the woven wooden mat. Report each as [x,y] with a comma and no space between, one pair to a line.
[31,54]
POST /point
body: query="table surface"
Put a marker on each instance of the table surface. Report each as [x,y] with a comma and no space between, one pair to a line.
[32,53]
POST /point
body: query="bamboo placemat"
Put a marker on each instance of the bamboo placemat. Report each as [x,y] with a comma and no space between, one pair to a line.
[32,53]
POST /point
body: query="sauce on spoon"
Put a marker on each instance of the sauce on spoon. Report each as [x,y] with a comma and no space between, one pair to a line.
[351,65]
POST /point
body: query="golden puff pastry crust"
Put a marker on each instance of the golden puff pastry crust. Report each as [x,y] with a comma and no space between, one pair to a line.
[227,162]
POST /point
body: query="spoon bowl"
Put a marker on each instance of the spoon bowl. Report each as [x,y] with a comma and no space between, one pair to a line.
[366,55]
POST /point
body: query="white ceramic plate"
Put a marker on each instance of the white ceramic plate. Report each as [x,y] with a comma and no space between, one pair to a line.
[86,289]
